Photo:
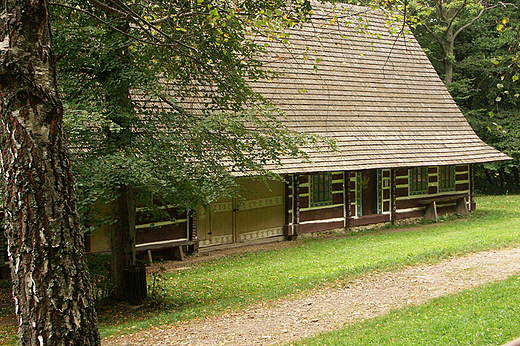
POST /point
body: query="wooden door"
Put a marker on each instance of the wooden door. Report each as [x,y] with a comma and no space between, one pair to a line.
[261,214]
[215,225]
[368,192]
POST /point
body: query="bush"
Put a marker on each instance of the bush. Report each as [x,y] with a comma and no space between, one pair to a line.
[99,269]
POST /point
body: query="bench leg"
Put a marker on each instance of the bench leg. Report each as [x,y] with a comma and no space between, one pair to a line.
[150,258]
[462,207]
[431,212]
[178,254]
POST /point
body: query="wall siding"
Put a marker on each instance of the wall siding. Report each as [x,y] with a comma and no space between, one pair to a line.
[414,205]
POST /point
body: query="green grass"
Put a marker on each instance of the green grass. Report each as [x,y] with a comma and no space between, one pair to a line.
[237,281]
[488,315]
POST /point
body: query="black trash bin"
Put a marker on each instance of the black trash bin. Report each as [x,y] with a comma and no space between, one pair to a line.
[134,281]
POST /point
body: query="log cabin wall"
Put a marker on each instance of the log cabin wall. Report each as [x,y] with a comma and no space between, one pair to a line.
[310,202]
[363,210]
[309,210]
[397,194]
[345,208]
[260,213]
[173,224]
[412,203]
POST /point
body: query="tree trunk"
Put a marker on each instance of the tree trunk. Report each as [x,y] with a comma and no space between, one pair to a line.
[488,177]
[120,110]
[122,237]
[51,288]
[449,57]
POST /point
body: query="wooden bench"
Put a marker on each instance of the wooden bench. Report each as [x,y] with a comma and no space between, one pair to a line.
[174,244]
[431,205]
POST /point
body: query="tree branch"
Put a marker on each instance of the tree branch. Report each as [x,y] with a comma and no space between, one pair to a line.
[105,8]
[479,15]
[452,19]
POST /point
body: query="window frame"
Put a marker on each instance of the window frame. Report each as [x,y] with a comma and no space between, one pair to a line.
[320,189]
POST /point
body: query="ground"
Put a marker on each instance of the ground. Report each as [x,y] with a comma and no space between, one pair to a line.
[297,317]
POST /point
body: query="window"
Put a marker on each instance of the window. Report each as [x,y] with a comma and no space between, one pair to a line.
[418,180]
[321,189]
[446,178]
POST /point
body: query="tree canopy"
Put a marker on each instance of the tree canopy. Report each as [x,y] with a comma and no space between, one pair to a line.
[158,108]
[155,58]
[485,82]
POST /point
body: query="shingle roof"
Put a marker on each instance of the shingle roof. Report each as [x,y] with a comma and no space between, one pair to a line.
[380,98]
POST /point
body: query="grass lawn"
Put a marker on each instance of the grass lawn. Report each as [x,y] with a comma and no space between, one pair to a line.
[233,282]
[488,315]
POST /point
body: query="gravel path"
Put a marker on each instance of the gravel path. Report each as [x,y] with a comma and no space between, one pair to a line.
[291,319]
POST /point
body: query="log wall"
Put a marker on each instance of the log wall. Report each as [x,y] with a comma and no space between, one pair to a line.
[394,199]
[286,208]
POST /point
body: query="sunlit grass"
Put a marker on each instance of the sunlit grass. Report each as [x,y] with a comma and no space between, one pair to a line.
[231,283]
[243,279]
[488,315]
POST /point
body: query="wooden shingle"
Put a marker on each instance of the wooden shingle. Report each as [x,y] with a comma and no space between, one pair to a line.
[376,93]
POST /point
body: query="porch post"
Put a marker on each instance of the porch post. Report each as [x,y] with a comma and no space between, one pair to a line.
[393,199]
[296,205]
[346,199]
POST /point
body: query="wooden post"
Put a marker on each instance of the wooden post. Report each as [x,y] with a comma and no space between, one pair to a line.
[393,198]
[431,211]
[296,205]
[192,227]
[462,206]
[287,229]
[346,199]
[471,186]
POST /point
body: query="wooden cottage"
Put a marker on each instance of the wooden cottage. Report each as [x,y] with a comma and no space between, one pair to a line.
[404,149]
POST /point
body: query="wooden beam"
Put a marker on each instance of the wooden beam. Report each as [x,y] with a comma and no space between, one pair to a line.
[296,205]
[431,211]
[462,206]
[346,199]
[393,196]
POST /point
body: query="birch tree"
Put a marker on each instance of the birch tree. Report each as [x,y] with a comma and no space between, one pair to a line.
[51,287]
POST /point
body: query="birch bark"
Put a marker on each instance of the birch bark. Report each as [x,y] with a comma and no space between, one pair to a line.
[51,288]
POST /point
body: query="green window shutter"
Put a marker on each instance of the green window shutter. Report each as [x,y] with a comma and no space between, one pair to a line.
[321,189]
[419,180]
[446,178]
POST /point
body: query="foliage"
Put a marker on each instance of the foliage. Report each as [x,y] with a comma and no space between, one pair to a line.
[487,315]
[156,96]
[485,87]
[99,270]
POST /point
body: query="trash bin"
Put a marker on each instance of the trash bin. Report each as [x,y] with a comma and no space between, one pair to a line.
[134,280]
